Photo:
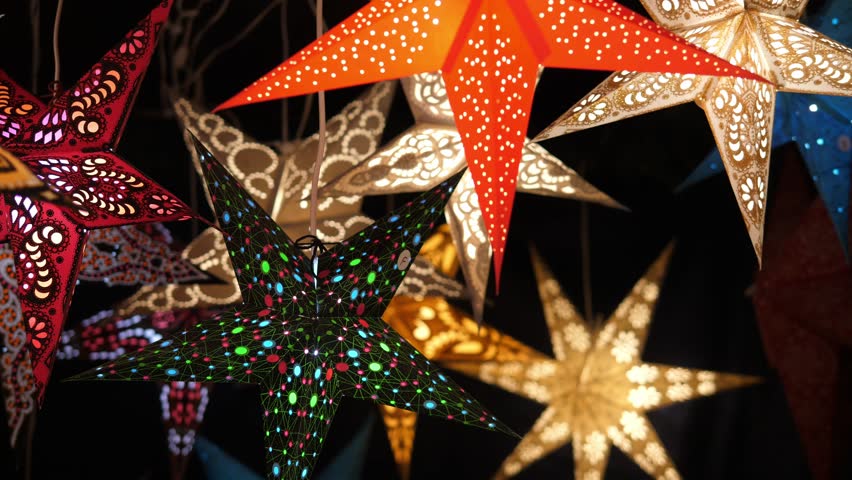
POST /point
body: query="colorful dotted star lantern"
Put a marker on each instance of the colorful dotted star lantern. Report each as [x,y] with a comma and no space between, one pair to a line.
[431,151]
[309,330]
[762,36]
[597,390]
[70,145]
[489,53]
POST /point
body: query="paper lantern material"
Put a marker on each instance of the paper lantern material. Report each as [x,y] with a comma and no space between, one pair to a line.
[70,145]
[489,53]
[309,331]
[130,256]
[614,388]
[820,125]
[430,152]
[106,336]
[802,304]
[762,37]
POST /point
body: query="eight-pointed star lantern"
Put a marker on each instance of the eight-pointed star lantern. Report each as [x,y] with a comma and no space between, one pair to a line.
[309,330]
[69,144]
[489,53]
[762,36]
[431,151]
[597,389]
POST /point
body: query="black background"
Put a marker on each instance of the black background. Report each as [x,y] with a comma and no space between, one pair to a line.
[703,319]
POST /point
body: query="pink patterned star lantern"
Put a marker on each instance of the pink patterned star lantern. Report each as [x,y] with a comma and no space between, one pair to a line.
[69,144]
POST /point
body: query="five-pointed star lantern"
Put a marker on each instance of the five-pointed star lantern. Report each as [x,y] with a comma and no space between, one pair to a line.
[489,53]
[106,336]
[762,36]
[444,334]
[802,304]
[278,181]
[310,329]
[597,389]
[70,144]
[430,152]
[820,125]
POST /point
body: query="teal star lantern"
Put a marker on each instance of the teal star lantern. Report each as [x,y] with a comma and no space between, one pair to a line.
[309,330]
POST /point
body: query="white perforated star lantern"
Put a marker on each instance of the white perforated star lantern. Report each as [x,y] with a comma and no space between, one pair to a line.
[432,151]
[762,36]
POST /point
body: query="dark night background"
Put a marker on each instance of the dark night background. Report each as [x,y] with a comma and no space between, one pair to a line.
[703,320]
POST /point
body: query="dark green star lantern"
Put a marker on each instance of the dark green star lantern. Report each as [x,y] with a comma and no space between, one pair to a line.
[309,331]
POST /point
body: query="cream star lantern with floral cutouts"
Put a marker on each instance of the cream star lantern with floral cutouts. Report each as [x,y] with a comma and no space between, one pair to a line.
[762,36]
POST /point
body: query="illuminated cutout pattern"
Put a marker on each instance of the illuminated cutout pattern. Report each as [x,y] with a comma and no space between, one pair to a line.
[106,336]
[129,256]
[69,144]
[597,389]
[489,53]
[432,151]
[762,36]
[309,332]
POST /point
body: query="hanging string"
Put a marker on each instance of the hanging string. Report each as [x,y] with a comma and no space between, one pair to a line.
[586,259]
[285,50]
[321,140]
[55,86]
[35,25]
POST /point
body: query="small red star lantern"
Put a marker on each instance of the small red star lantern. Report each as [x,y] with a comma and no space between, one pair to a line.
[489,53]
[69,144]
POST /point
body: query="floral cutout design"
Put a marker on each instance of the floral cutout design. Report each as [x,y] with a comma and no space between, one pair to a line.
[596,389]
[761,36]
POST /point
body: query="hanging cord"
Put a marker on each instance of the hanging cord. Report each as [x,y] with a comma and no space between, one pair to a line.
[285,51]
[35,25]
[321,140]
[55,86]
[586,259]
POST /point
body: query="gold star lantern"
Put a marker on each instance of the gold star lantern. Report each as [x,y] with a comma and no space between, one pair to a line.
[597,389]
[430,152]
[442,333]
[762,36]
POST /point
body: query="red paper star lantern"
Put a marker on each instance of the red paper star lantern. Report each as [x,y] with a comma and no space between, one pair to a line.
[802,303]
[489,53]
[70,144]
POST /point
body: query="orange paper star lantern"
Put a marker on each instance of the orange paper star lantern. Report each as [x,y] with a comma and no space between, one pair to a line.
[489,53]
